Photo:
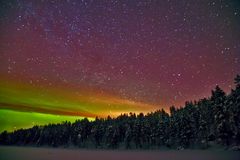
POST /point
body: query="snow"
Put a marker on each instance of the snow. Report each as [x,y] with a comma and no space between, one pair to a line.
[27,153]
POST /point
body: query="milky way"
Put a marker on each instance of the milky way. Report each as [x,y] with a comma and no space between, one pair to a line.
[98,58]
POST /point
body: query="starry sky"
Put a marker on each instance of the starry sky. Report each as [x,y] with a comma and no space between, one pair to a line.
[93,58]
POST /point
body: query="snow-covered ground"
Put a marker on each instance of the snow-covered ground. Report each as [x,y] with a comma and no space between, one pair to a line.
[30,153]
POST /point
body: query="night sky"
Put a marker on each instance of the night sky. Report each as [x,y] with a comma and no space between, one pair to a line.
[98,58]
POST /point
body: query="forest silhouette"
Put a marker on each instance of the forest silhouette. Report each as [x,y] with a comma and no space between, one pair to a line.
[199,124]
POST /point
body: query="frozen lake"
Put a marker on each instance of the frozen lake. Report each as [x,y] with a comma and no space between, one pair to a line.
[29,153]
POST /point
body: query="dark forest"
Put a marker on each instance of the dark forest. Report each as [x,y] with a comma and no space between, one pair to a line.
[199,124]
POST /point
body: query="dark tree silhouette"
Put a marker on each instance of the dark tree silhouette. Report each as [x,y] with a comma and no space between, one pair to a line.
[215,119]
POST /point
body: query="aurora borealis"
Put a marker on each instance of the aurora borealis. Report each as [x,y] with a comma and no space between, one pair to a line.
[65,59]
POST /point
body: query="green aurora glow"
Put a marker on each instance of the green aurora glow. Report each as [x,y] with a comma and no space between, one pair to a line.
[12,120]
[23,106]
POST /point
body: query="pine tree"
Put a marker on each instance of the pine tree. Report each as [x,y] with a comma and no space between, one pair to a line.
[4,138]
[203,132]
[220,116]
[136,134]
[128,137]
[234,111]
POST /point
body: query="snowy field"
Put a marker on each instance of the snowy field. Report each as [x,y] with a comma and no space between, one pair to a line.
[27,153]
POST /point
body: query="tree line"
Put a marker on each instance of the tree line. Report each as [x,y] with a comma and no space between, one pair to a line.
[213,120]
